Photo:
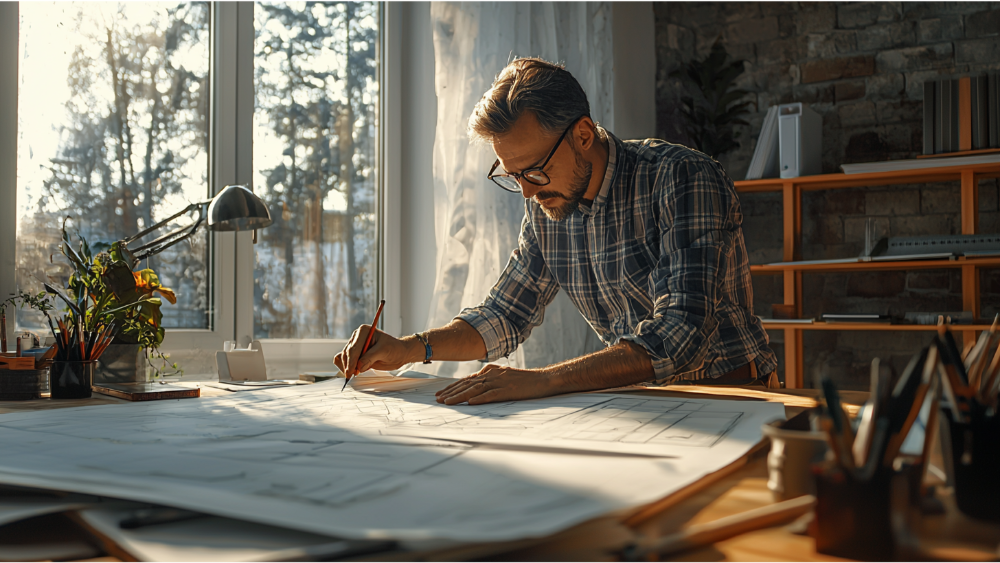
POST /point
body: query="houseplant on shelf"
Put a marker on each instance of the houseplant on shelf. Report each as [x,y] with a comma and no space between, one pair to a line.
[107,291]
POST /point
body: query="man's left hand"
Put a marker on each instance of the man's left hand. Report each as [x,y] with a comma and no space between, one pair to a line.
[497,383]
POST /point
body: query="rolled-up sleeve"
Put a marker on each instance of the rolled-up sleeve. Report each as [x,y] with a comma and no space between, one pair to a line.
[517,302]
[696,228]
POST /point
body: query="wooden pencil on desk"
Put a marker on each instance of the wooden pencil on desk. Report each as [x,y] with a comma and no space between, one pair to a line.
[724,528]
[975,362]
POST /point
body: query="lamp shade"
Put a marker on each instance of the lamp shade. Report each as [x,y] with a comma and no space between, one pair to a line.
[236,208]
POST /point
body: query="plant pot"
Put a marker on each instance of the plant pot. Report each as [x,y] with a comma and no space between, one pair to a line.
[121,363]
[71,380]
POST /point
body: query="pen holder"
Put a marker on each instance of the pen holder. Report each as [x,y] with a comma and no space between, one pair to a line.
[853,518]
[71,380]
[973,450]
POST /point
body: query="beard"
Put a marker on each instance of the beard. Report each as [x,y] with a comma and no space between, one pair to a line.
[577,189]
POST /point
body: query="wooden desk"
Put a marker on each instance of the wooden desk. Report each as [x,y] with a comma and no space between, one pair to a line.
[951,536]
[46,403]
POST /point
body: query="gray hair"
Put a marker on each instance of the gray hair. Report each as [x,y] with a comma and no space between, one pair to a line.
[529,85]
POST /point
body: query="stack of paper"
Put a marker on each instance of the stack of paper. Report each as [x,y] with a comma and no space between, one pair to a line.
[764,163]
[378,465]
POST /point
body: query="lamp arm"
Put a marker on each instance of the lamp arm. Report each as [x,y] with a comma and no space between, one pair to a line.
[146,231]
[161,239]
[150,250]
[168,236]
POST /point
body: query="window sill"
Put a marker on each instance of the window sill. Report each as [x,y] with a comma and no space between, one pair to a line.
[284,358]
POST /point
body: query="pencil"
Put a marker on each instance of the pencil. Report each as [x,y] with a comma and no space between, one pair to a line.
[368,342]
[896,441]
[706,534]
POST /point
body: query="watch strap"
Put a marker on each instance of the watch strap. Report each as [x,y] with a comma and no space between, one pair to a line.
[428,351]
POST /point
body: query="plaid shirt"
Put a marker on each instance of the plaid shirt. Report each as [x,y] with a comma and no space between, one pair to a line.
[657,259]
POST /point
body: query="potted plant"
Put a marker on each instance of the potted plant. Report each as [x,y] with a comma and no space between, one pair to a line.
[108,292]
[714,109]
[37,302]
[22,382]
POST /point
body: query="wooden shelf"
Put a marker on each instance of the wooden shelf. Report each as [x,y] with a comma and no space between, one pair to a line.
[791,190]
[959,153]
[876,266]
[867,326]
[840,180]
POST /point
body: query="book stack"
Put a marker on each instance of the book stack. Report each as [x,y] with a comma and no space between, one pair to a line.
[764,163]
[962,114]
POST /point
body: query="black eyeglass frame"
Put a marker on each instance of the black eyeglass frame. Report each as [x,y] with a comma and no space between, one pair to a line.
[533,169]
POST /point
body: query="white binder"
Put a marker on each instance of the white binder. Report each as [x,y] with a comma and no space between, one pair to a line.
[800,140]
[764,163]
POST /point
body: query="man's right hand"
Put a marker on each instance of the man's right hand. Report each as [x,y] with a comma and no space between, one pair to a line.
[384,353]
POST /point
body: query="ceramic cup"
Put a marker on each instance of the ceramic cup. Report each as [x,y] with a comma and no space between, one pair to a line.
[788,463]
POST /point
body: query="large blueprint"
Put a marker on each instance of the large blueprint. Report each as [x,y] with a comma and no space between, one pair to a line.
[385,464]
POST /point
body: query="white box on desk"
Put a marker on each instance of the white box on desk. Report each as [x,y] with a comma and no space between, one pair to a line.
[239,364]
[800,140]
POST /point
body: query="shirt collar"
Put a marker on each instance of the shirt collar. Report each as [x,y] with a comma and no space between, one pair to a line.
[609,175]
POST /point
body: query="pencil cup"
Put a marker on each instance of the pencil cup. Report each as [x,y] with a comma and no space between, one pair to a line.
[973,450]
[71,380]
[852,518]
[794,448]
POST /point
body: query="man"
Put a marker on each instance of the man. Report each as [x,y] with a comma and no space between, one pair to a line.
[645,237]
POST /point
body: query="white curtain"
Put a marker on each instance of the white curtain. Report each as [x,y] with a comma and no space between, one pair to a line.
[476,222]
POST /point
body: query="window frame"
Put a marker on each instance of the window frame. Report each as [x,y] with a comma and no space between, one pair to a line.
[231,255]
[9,55]
[290,356]
[221,251]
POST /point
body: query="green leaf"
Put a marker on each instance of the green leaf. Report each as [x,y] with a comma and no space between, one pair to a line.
[120,253]
[709,116]
[148,277]
[120,281]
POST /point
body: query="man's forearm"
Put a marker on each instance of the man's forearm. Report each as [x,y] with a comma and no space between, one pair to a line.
[625,363]
[622,364]
[455,342]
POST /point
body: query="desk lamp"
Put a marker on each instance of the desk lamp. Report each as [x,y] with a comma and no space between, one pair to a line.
[235,208]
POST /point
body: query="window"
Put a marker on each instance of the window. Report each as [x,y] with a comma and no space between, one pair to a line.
[124,112]
[112,126]
[314,163]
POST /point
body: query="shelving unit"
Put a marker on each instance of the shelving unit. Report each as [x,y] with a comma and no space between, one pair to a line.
[791,190]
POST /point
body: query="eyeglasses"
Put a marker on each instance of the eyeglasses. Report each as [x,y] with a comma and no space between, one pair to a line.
[534,175]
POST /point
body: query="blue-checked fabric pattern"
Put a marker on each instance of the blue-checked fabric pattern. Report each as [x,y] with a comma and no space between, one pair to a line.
[658,259]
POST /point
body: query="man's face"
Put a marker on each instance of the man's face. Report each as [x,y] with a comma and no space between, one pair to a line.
[526,146]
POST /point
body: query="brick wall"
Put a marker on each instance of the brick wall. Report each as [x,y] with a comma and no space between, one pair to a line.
[861,66]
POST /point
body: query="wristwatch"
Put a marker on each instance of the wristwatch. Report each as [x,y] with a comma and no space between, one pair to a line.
[428,352]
